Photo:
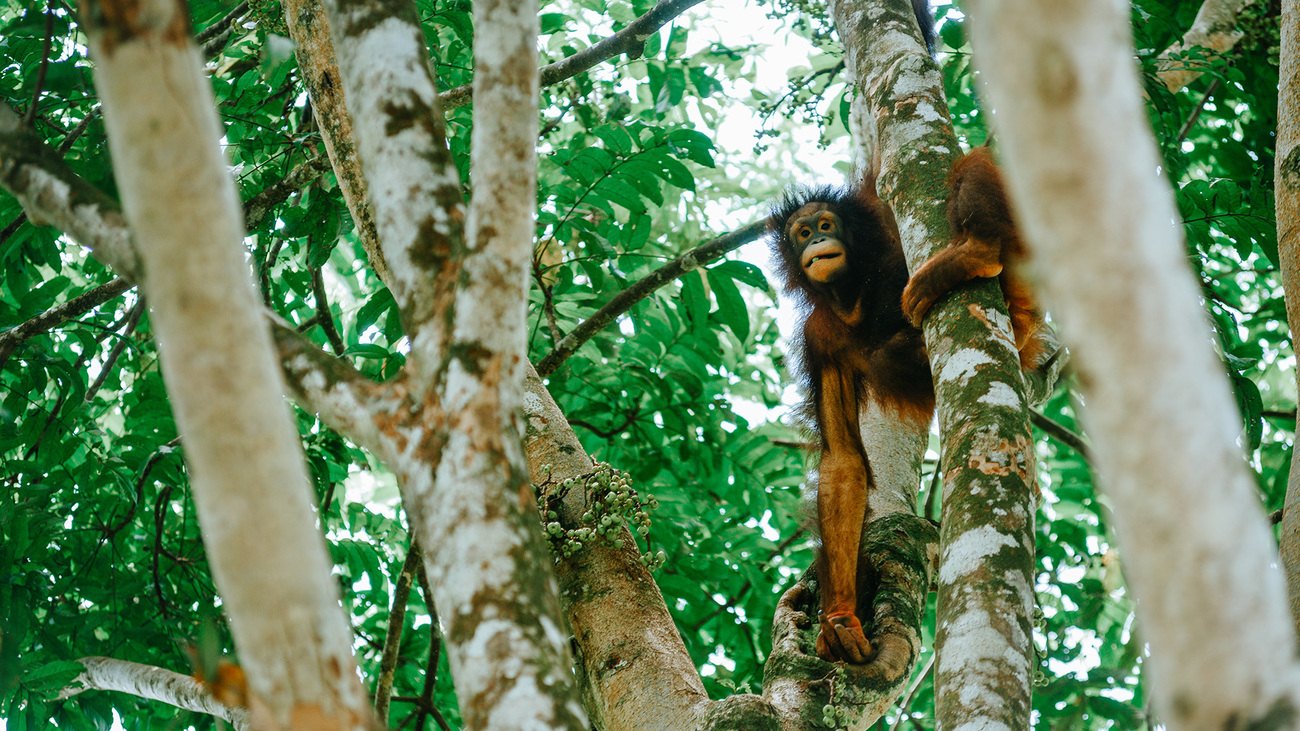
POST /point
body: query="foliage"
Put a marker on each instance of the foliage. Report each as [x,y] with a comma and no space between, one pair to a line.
[101,550]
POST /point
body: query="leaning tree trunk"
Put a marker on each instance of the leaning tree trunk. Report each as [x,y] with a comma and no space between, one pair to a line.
[986,558]
[1083,171]
[241,444]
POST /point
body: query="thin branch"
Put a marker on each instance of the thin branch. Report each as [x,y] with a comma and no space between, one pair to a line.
[151,683]
[435,655]
[44,67]
[1196,113]
[323,315]
[154,459]
[13,227]
[259,206]
[1061,434]
[131,321]
[219,26]
[623,301]
[77,131]
[58,315]
[630,40]
[393,638]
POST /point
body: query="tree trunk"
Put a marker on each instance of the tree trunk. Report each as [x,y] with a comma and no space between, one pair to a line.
[986,558]
[1286,181]
[241,445]
[1083,173]
[454,437]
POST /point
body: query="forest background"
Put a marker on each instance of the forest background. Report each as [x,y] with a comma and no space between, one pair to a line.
[644,158]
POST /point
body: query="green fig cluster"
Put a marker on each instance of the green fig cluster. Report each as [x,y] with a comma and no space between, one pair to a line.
[612,505]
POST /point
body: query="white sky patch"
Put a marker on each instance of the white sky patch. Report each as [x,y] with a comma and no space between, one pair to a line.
[1001,394]
[970,551]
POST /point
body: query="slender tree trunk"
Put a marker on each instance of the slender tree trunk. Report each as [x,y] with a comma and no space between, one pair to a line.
[241,445]
[1083,173]
[1286,181]
[986,559]
[314,49]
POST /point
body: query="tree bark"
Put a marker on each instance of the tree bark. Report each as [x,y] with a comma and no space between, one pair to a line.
[241,445]
[986,554]
[1082,168]
[314,50]
[155,684]
[453,436]
[1286,182]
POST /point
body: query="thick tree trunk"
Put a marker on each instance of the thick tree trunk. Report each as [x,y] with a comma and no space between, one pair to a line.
[1083,172]
[986,559]
[1286,182]
[241,446]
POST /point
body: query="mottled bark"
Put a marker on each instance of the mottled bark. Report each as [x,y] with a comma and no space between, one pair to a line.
[1082,167]
[453,436]
[415,190]
[1214,30]
[1286,186]
[636,672]
[983,627]
[241,445]
[152,683]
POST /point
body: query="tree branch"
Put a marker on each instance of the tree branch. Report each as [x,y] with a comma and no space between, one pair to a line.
[59,314]
[152,683]
[623,301]
[1061,434]
[630,40]
[393,635]
[1215,29]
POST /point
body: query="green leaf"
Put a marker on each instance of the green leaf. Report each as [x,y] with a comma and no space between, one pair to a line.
[731,306]
[694,298]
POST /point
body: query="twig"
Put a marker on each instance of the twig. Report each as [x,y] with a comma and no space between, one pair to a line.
[77,131]
[30,119]
[630,40]
[218,26]
[149,464]
[116,352]
[271,255]
[58,315]
[1061,434]
[13,227]
[323,315]
[610,433]
[260,205]
[435,655]
[623,301]
[1196,113]
[393,638]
